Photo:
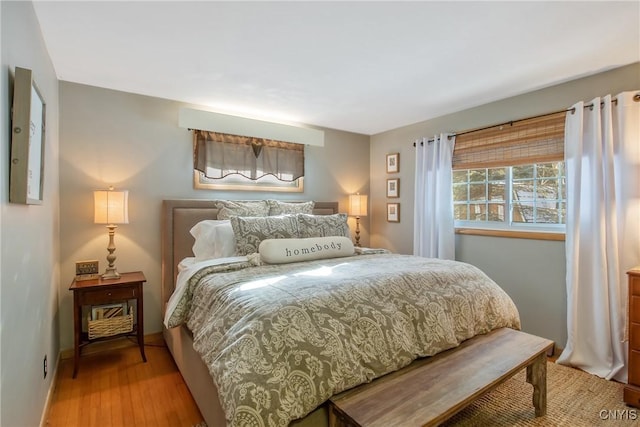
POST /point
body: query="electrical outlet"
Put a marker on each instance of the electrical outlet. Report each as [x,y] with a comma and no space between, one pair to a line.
[44,366]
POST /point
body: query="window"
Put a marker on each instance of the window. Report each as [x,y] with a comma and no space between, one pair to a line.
[511,176]
[516,197]
[235,162]
[242,183]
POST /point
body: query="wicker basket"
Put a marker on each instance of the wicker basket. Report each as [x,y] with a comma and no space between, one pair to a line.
[111,326]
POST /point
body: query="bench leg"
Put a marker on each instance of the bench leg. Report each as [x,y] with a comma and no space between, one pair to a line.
[537,377]
[337,419]
[333,419]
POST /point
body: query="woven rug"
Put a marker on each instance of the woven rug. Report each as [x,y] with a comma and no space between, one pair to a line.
[574,399]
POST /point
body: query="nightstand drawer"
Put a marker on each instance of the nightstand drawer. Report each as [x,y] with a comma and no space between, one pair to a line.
[634,285]
[634,308]
[634,367]
[634,336]
[103,296]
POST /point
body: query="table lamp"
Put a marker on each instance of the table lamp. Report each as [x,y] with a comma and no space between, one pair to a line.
[358,208]
[111,208]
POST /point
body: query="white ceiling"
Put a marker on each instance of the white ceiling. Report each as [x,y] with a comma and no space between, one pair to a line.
[358,66]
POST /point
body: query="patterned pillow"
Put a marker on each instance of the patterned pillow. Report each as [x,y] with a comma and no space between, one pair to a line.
[282,208]
[323,225]
[228,208]
[250,231]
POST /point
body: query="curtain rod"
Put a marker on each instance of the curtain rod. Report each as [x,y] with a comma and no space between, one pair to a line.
[636,98]
[510,123]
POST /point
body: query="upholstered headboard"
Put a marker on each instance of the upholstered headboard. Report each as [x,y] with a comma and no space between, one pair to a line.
[178,217]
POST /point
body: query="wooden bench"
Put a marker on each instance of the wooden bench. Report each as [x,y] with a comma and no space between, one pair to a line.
[433,389]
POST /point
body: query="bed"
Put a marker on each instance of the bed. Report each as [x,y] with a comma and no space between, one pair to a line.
[297,376]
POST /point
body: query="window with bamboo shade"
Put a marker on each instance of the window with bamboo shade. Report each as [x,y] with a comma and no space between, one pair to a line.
[511,177]
[528,141]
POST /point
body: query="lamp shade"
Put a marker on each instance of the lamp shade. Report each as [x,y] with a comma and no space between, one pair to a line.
[358,205]
[111,207]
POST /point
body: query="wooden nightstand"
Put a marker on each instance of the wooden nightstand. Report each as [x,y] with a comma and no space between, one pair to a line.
[99,292]
[632,389]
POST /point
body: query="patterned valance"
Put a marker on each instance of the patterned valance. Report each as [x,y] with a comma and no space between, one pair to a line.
[219,154]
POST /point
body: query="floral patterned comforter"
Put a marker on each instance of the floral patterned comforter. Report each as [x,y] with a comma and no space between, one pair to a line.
[279,340]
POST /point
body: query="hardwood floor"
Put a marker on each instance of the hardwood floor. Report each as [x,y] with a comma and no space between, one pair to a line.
[115,388]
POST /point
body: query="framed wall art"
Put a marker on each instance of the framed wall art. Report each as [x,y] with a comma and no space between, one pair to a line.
[393,163]
[393,212]
[26,180]
[393,188]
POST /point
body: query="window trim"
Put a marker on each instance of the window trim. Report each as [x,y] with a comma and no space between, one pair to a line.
[518,234]
[201,182]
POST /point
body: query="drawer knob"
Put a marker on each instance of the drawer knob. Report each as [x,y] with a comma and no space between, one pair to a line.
[108,293]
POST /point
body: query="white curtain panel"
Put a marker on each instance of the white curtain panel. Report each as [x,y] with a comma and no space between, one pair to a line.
[433,215]
[602,154]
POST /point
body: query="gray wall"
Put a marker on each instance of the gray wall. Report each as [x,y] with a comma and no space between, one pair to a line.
[29,270]
[133,142]
[531,271]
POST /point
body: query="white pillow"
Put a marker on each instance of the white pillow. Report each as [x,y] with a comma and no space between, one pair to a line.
[282,251]
[214,239]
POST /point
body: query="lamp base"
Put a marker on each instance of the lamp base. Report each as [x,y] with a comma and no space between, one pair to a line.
[111,273]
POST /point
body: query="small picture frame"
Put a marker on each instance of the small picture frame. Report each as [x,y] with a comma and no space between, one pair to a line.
[393,212]
[87,270]
[393,188]
[393,163]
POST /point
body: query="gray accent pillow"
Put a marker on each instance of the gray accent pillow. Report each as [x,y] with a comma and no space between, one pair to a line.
[229,208]
[323,225]
[250,231]
[277,207]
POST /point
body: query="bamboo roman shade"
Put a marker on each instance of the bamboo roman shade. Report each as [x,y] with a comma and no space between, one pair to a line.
[535,140]
[218,155]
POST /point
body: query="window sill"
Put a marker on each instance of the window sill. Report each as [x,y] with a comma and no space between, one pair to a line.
[536,235]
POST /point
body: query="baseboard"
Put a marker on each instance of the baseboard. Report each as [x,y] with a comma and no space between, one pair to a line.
[122,342]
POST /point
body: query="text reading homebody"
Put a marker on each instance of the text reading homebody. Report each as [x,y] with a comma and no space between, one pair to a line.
[313,249]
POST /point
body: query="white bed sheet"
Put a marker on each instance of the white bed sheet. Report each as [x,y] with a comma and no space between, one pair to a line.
[187,268]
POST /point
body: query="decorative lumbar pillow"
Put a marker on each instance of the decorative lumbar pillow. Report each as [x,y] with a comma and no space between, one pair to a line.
[323,225]
[229,208]
[213,239]
[282,251]
[250,231]
[277,207]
